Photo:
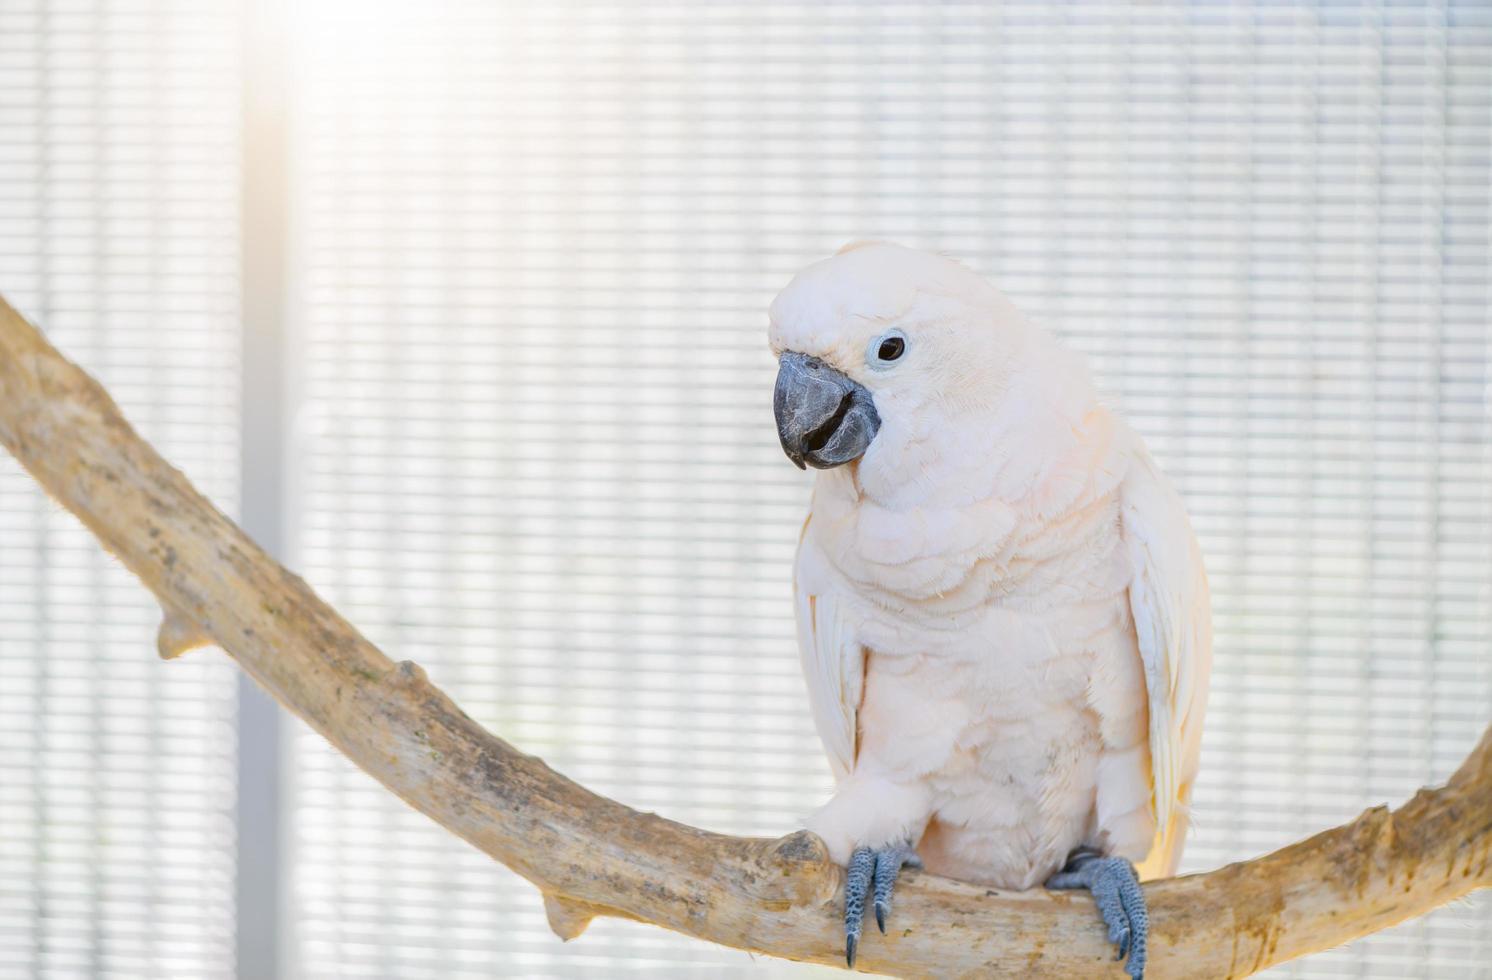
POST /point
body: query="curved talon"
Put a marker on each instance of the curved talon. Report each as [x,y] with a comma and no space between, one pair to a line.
[873,872]
[888,867]
[857,882]
[1133,900]
[1121,902]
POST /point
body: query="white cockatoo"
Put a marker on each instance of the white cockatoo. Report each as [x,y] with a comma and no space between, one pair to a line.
[1001,607]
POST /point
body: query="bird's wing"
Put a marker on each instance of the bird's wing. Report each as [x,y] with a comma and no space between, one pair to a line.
[1169,600]
[833,660]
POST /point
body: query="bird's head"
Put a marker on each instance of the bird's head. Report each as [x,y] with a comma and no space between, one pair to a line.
[878,346]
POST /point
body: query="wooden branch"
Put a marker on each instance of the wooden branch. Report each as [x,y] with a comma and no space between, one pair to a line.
[592,856]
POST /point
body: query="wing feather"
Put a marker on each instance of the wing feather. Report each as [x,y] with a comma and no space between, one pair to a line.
[833,660]
[1170,604]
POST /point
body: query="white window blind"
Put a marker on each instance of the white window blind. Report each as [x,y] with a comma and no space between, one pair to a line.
[118,225]
[537,242]
[532,444]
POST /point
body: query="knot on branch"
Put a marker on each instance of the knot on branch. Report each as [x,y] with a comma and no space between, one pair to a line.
[177,635]
[791,872]
[569,917]
[407,673]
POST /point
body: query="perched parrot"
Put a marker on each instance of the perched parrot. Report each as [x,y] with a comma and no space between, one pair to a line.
[1001,608]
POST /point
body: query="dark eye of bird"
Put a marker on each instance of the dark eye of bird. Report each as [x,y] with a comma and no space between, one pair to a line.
[891,348]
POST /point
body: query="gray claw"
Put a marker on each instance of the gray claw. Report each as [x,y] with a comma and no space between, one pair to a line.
[888,867]
[1116,892]
[872,872]
[857,882]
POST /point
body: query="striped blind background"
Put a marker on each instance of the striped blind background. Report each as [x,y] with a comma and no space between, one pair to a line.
[537,242]
[118,232]
[531,445]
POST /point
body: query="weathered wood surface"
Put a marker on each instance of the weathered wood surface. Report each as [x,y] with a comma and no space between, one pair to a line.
[592,856]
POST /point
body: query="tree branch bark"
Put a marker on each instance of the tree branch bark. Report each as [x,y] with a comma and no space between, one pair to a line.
[593,856]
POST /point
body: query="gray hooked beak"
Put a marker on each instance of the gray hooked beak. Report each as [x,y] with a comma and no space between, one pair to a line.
[824,419]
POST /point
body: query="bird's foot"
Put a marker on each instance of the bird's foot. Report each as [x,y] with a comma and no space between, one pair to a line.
[872,872]
[1116,891]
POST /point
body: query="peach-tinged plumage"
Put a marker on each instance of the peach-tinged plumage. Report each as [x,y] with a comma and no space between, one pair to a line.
[1002,610]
